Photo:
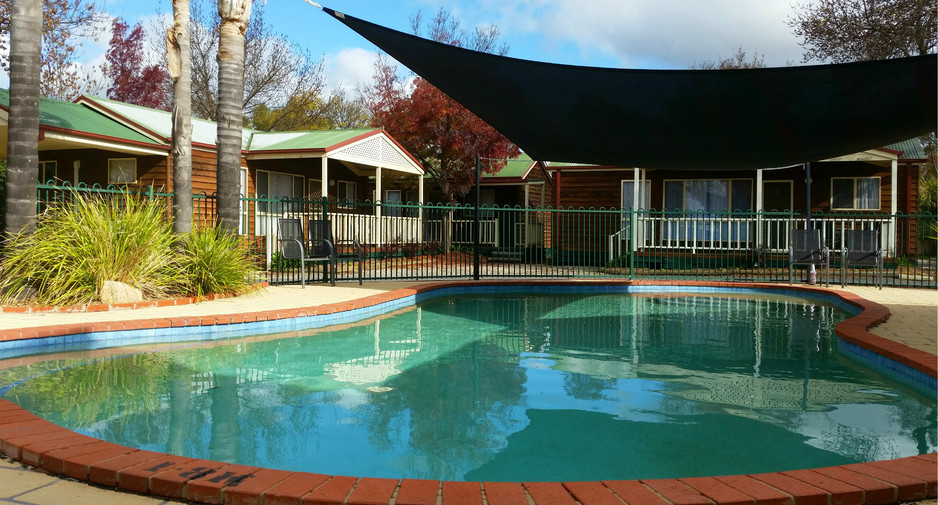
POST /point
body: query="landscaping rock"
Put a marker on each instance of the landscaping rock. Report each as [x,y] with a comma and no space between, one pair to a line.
[113,292]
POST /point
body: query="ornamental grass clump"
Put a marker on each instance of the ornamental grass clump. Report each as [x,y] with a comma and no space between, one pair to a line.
[213,261]
[80,243]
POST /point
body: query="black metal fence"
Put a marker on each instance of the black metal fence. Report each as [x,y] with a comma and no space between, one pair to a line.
[410,241]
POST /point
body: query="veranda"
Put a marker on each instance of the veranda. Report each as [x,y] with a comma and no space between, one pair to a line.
[429,241]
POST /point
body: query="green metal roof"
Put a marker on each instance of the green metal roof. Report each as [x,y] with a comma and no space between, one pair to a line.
[911,149]
[292,141]
[564,164]
[80,119]
[514,168]
[160,122]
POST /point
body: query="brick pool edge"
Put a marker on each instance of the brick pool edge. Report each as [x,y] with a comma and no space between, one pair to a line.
[43,445]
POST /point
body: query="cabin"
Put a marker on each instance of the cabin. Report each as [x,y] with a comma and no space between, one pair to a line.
[747,210]
[100,142]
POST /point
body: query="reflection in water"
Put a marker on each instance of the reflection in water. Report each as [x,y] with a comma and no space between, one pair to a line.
[508,387]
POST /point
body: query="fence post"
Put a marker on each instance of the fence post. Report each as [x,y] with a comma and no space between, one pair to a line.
[476,263]
[632,248]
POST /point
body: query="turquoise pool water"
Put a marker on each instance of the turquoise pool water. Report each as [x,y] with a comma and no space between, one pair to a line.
[513,387]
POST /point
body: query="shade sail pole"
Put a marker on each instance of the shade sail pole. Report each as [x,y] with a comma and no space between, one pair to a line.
[476,241]
[807,209]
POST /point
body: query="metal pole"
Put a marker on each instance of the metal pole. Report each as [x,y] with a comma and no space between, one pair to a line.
[807,180]
[476,263]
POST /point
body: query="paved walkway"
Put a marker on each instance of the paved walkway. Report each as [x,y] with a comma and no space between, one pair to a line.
[914,322]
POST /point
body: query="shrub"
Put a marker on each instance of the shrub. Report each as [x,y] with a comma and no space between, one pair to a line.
[213,261]
[78,245]
[280,264]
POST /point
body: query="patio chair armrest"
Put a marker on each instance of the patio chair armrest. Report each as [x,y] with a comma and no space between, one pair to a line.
[330,247]
[358,247]
[299,244]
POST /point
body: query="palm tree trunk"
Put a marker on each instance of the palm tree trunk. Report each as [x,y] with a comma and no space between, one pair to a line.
[23,132]
[234,22]
[177,55]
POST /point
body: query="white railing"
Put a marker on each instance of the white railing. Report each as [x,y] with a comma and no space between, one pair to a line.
[366,229]
[460,231]
[374,230]
[769,233]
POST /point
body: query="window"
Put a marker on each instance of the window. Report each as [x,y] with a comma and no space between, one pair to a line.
[46,171]
[122,171]
[709,195]
[628,195]
[777,196]
[855,193]
[347,191]
[628,202]
[708,203]
[392,197]
[315,188]
[277,186]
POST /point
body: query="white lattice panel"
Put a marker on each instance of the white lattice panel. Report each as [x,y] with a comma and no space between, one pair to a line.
[378,150]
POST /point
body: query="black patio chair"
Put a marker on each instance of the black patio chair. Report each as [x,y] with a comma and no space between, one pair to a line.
[862,248]
[806,248]
[318,247]
[323,245]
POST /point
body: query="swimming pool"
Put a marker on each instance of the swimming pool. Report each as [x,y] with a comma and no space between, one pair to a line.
[530,375]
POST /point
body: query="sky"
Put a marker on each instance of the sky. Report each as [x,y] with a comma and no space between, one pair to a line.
[656,34]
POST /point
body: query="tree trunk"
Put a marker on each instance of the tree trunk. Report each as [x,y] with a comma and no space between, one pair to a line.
[23,132]
[177,56]
[234,21]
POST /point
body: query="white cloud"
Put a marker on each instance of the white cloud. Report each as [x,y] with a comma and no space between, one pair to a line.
[656,33]
[347,68]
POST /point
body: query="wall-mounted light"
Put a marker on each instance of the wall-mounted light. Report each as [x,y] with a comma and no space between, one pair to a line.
[332,182]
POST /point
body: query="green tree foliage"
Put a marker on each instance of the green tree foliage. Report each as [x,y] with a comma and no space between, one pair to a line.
[64,24]
[739,60]
[311,112]
[442,134]
[856,30]
[928,184]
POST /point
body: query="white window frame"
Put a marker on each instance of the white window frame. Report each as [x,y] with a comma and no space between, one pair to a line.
[242,208]
[879,193]
[121,180]
[45,166]
[644,193]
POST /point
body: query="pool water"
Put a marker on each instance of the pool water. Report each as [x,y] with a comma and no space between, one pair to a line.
[514,387]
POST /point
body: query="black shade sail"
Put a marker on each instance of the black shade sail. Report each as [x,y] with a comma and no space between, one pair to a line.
[686,119]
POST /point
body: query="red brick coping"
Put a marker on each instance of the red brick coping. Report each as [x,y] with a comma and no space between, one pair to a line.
[41,444]
[102,307]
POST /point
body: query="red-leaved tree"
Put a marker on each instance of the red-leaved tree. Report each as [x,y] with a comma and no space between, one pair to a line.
[442,134]
[130,80]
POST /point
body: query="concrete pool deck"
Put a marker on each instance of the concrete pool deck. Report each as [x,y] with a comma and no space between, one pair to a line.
[913,324]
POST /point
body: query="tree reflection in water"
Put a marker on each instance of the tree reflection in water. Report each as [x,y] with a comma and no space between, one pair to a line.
[507,387]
